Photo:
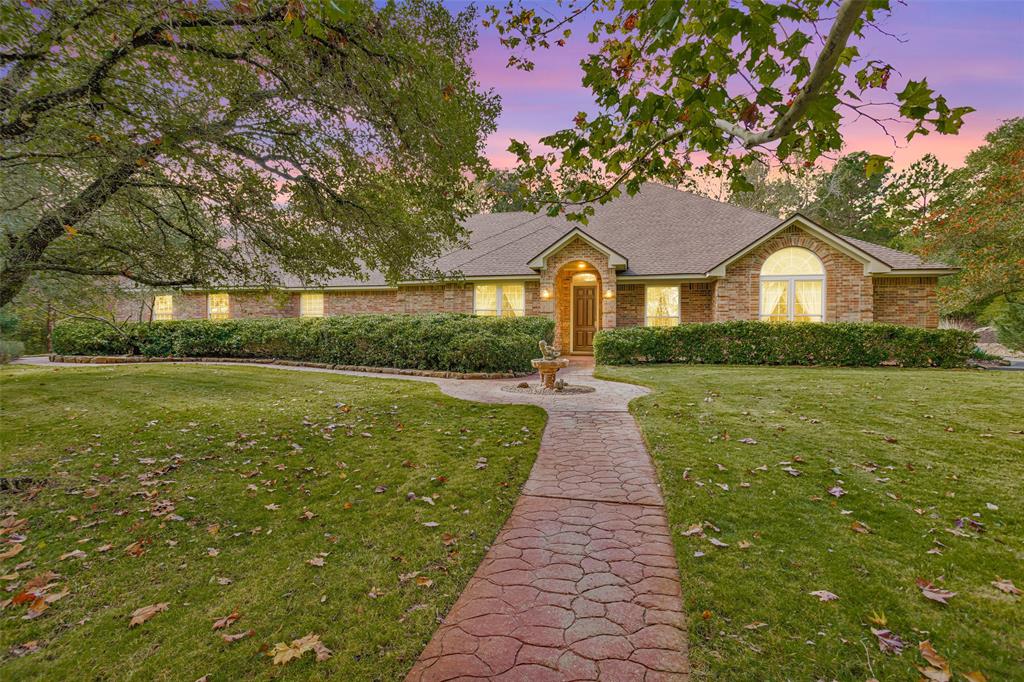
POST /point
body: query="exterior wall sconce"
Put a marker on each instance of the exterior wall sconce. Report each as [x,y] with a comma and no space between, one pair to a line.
[545,294]
[608,293]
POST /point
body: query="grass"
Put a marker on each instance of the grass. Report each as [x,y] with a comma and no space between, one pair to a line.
[914,450]
[208,449]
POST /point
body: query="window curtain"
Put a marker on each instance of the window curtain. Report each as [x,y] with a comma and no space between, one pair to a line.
[662,306]
[513,300]
[774,305]
[485,299]
[807,302]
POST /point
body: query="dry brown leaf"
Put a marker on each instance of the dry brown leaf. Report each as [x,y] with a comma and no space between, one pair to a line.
[13,551]
[1006,585]
[859,527]
[934,593]
[226,621]
[316,561]
[974,676]
[285,653]
[237,636]
[888,641]
[74,554]
[140,616]
[825,595]
[424,581]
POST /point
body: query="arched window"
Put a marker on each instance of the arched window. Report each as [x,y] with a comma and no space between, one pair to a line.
[793,286]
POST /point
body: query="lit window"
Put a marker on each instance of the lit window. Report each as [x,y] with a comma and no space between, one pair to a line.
[163,308]
[311,304]
[662,306]
[218,307]
[499,300]
[792,286]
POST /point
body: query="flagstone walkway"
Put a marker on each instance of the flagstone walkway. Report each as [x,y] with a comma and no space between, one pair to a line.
[581,582]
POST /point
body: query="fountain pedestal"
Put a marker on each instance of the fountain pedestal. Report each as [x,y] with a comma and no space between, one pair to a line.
[548,369]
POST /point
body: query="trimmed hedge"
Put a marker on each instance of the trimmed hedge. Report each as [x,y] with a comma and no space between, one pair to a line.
[444,342]
[844,344]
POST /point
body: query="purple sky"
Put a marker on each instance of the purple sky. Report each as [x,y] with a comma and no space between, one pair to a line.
[972,51]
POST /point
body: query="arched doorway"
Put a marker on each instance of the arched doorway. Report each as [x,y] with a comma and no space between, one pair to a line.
[578,307]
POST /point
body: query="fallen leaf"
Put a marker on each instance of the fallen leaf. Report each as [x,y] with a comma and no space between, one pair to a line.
[226,621]
[825,595]
[140,616]
[284,653]
[316,561]
[272,507]
[859,527]
[104,548]
[1007,586]
[75,554]
[974,676]
[234,638]
[695,529]
[934,593]
[748,441]
[13,551]
[888,641]
[424,581]
[718,543]
[938,670]
[755,625]
[836,491]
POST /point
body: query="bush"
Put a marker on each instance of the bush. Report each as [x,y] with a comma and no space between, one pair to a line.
[846,344]
[445,342]
[10,348]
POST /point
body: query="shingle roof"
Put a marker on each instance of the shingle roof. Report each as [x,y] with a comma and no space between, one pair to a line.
[660,230]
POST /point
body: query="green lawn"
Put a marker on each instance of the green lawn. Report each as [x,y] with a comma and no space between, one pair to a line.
[914,451]
[211,470]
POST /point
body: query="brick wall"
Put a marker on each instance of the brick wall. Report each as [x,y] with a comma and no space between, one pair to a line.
[244,305]
[695,300]
[629,308]
[906,300]
[849,294]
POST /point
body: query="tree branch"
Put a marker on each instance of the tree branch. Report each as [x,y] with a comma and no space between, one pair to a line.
[846,20]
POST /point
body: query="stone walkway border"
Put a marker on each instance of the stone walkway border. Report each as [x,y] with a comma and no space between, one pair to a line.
[137,359]
[581,582]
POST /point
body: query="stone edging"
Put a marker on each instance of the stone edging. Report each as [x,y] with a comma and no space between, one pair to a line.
[136,359]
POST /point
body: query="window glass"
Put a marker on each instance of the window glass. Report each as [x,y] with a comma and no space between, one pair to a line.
[774,304]
[311,304]
[662,306]
[807,301]
[513,300]
[218,306]
[163,308]
[790,261]
[485,299]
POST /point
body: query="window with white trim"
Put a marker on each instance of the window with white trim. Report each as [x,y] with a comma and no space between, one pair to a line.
[792,286]
[499,300]
[311,304]
[661,305]
[163,308]
[218,306]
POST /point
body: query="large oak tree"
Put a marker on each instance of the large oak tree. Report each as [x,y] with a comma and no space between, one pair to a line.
[184,143]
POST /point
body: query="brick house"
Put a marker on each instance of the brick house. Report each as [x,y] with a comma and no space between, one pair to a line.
[658,258]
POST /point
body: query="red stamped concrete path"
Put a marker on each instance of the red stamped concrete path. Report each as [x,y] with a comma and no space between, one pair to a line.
[581,582]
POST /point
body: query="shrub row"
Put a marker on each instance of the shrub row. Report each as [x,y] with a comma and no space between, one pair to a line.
[845,344]
[446,342]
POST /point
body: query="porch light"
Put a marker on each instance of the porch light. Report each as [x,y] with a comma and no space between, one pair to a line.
[608,293]
[581,265]
[545,294]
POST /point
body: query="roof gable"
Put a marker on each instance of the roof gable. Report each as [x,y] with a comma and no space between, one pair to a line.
[615,259]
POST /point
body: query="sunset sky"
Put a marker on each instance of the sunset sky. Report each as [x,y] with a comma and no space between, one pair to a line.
[972,51]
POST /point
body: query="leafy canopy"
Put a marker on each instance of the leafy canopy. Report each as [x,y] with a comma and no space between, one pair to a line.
[712,85]
[977,220]
[185,143]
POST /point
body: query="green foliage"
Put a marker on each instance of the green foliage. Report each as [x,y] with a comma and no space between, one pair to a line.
[977,221]
[844,344]
[847,199]
[180,143]
[10,348]
[447,342]
[505,191]
[1010,325]
[709,85]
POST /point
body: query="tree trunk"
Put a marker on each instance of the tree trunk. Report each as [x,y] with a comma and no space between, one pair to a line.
[28,249]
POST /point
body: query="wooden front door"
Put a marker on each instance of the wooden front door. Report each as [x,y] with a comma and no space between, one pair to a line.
[584,318]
